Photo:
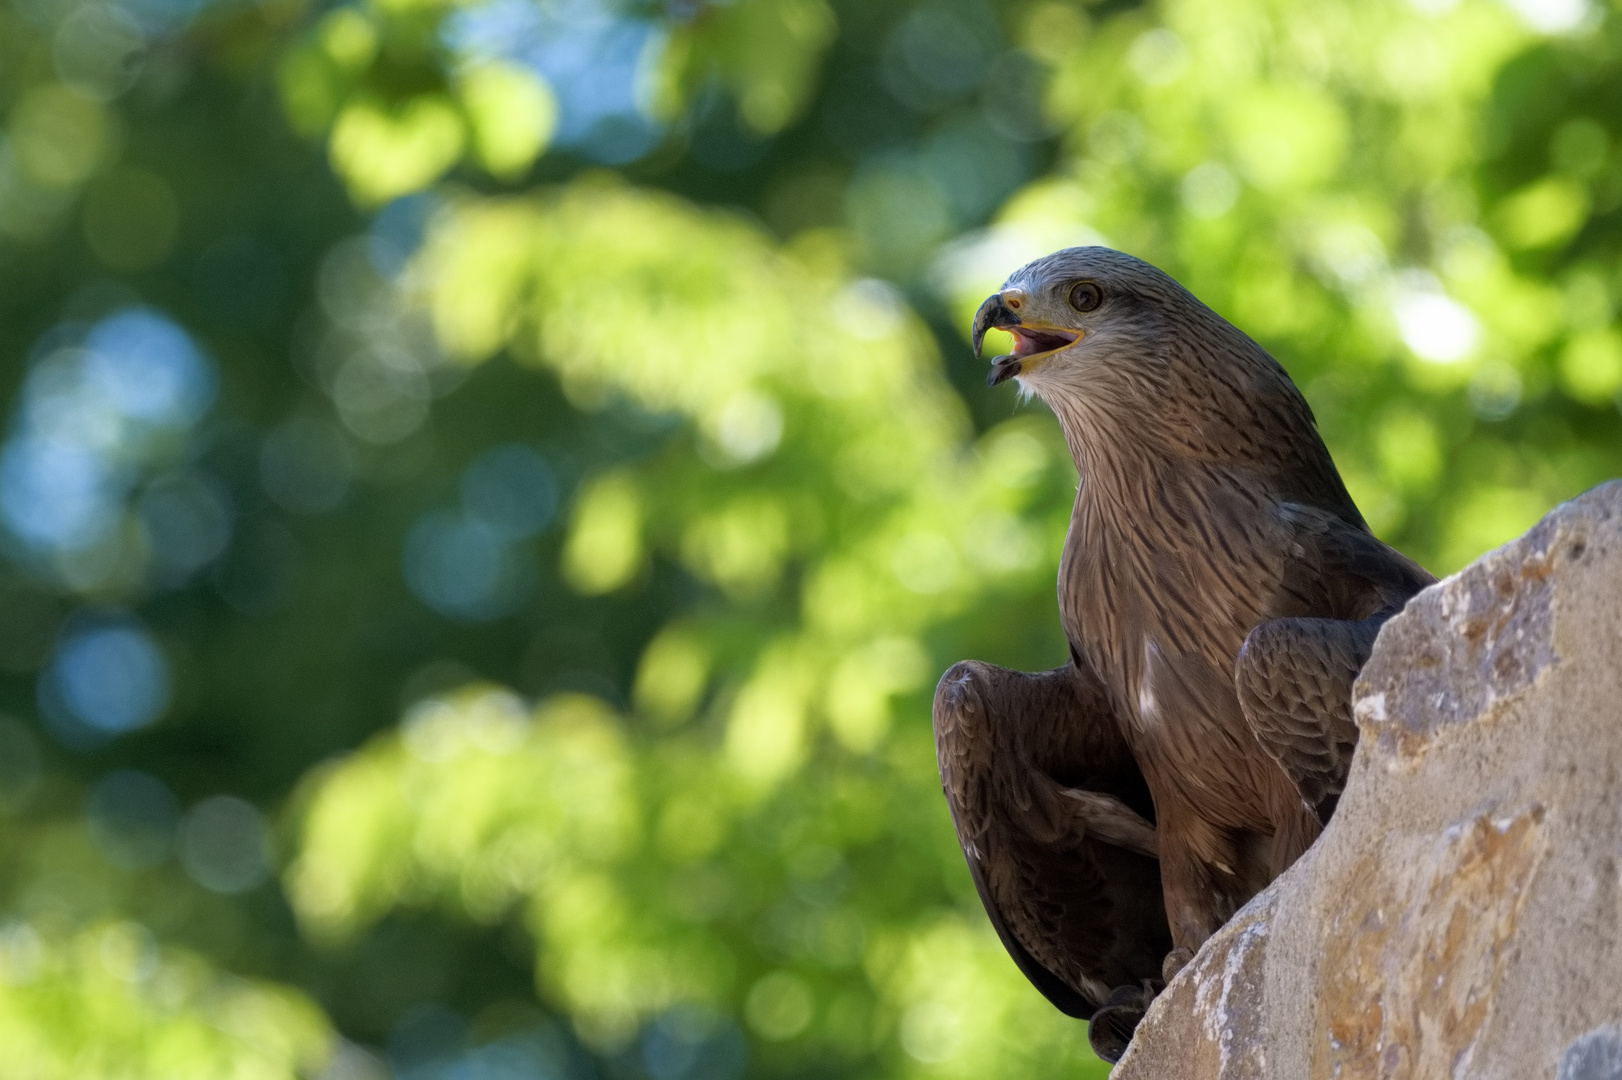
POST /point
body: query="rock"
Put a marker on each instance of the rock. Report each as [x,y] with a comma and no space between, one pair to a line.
[1461,917]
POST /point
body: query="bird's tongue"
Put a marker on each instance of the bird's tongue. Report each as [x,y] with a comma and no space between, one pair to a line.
[1027,342]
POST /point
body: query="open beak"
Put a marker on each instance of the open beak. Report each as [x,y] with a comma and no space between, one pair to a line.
[992,313]
[1031,343]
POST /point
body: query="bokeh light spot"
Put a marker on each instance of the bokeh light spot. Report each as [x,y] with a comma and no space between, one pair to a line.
[132,818]
[223,845]
[510,488]
[926,562]
[104,680]
[1434,325]
[591,53]
[689,1043]
[513,113]
[462,567]
[99,50]
[383,153]
[1158,56]
[1591,367]
[149,368]
[187,518]
[1551,16]
[91,415]
[672,675]
[1209,190]
[1495,391]
[939,51]
[131,217]
[604,549]
[931,1032]
[305,465]
[53,495]
[129,952]
[425,1040]
[397,231]
[779,1006]
[58,135]
[974,165]
[380,400]
[1543,214]
[747,428]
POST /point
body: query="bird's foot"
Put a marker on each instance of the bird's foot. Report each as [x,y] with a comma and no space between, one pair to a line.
[1110,1030]
[1175,961]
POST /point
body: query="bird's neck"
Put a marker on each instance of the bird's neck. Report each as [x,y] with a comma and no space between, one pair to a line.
[1117,448]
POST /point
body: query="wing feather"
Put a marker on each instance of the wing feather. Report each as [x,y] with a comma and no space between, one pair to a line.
[1294,674]
[1054,821]
[1294,678]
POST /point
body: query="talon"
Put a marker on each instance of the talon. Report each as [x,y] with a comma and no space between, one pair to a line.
[1109,1032]
[1175,961]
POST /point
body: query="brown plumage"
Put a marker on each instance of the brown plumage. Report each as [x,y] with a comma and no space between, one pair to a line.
[1056,823]
[1219,590]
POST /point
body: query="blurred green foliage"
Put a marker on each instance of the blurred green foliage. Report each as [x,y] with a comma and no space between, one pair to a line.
[488,487]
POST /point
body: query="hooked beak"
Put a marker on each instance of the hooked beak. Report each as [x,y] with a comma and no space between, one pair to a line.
[1030,342]
[992,313]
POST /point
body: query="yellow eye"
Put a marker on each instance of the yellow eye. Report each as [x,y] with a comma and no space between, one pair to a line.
[1086,296]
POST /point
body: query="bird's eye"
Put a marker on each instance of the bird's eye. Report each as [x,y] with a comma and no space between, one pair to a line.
[1086,296]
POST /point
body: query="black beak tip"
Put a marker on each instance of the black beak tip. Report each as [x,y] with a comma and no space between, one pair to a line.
[991,313]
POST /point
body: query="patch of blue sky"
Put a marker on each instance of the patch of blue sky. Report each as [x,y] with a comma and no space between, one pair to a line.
[398,230]
[596,57]
[94,410]
[107,677]
[149,368]
[55,495]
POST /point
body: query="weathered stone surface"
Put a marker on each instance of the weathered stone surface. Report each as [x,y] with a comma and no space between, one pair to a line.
[1461,917]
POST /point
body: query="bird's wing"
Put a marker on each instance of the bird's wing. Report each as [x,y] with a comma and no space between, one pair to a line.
[1339,567]
[1294,674]
[1040,786]
[1108,819]
[1294,678]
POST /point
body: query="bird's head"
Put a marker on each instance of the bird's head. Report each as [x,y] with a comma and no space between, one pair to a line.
[1073,311]
[1132,362]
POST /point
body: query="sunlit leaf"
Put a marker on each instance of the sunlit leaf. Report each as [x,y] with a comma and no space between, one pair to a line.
[512,114]
[383,153]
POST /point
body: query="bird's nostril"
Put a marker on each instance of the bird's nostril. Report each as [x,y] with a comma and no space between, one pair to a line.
[1013,303]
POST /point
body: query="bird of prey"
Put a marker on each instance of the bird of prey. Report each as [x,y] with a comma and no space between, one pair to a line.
[1219,591]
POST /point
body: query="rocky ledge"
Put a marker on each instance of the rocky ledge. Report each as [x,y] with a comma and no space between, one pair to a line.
[1461,917]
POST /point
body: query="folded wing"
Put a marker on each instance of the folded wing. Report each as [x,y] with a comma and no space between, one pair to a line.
[1294,678]
[1054,819]
[1294,675]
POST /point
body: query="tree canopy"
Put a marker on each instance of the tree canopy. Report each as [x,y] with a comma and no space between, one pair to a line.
[488,486]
